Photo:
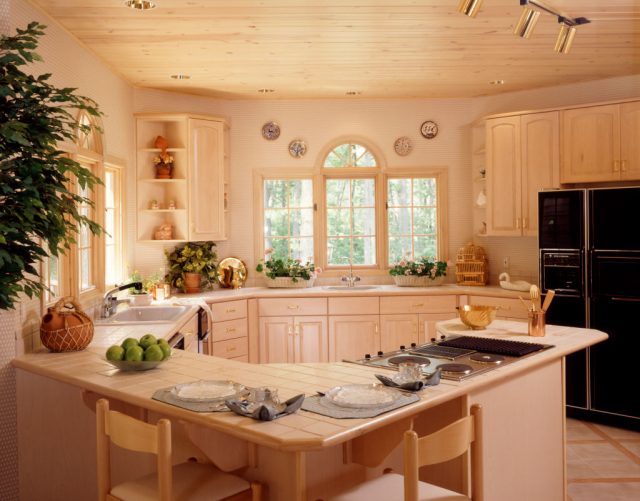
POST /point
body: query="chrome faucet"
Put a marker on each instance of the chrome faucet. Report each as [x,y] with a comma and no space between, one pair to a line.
[351,279]
[110,302]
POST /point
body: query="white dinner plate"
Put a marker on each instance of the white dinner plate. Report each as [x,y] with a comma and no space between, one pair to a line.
[206,391]
[362,395]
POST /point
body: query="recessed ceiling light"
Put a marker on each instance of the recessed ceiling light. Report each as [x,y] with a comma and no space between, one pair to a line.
[497,82]
[140,4]
[353,93]
[181,76]
[266,91]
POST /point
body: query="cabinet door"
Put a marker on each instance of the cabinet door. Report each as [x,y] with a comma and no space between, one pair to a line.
[590,144]
[311,339]
[503,176]
[629,143]
[276,340]
[428,324]
[540,143]
[206,180]
[397,330]
[351,336]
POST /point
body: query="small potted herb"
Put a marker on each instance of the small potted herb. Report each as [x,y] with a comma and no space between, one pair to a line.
[192,266]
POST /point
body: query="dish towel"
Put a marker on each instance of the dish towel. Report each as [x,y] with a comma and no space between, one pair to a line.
[265,412]
[430,380]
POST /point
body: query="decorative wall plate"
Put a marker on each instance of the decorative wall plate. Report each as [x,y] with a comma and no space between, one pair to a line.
[271,131]
[231,273]
[429,129]
[403,146]
[297,148]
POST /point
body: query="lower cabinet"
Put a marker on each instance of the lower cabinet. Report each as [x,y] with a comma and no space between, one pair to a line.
[229,333]
[293,339]
[352,336]
[399,330]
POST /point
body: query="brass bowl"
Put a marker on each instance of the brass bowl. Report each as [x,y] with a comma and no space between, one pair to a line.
[477,316]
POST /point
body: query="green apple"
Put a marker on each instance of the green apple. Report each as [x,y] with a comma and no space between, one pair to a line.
[134,354]
[153,353]
[147,340]
[129,342]
[164,346]
[115,352]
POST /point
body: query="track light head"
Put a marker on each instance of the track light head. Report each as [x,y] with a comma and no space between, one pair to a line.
[469,7]
[527,22]
[565,37]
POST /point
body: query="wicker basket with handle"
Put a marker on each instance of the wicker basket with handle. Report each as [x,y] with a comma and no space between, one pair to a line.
[65,327]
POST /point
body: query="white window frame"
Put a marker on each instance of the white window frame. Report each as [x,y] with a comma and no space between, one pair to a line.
[116,166]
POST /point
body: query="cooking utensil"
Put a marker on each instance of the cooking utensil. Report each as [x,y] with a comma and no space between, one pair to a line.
[547,300]
[534,293]
[477,316]
[524,303]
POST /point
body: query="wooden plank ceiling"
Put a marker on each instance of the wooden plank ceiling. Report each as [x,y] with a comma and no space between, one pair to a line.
[328,48]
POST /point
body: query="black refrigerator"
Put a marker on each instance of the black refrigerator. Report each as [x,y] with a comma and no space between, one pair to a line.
[589,243]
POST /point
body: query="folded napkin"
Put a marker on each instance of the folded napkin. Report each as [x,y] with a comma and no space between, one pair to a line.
[430,380]
[267,411]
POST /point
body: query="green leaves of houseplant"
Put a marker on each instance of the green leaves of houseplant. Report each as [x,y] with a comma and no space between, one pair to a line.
[192,257]
[36,203]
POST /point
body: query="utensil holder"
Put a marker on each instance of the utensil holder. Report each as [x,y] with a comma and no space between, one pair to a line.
[537,323]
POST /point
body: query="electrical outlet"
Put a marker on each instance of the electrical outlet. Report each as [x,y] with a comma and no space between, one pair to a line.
[505,262]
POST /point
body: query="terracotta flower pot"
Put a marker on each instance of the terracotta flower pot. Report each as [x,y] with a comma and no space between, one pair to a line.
[163,171]
[192,282]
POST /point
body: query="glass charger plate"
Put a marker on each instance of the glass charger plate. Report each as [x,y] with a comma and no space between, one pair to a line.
[362,395]
[206,391]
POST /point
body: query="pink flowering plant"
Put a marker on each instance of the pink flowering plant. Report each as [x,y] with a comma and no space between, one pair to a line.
[423,267]
[293,268]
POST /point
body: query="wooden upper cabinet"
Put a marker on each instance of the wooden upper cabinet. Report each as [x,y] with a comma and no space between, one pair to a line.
[503,176]
[523,158]
[630,140]
[540,149]
[206,180]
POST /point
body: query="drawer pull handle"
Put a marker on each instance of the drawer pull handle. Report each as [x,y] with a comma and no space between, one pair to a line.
[293,306]
[416,305]
[230,329]
[231,348]
[230,310]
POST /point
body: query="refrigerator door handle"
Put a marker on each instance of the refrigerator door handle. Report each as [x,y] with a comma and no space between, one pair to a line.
[626,299]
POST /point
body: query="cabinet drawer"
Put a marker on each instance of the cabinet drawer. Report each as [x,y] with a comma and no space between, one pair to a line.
[221,331]
[231,348]
[229,310]
[417,304]
[354,305]
[509,307]
[243,358]
[293,306]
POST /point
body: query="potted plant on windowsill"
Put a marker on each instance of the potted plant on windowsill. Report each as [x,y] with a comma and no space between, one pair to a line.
[287,272]
[424,272]
[192,266]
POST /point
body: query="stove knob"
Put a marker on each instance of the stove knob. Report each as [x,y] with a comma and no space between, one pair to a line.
[367,356]
[443,337]
[380,353]
[401,347]
[433,340]
[413,345]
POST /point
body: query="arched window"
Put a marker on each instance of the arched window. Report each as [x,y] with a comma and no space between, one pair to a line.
[349,155]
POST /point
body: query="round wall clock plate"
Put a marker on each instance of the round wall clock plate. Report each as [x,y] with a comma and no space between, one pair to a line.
[271,131]
[403,146]
[429,129]
[297,148]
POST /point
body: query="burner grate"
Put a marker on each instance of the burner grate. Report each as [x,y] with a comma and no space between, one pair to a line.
[498,346]
[440,351]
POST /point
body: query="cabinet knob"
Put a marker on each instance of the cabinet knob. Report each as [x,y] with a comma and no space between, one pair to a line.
[417,305]
[293,306]
[230,329]
[623,163]
[616,165]
[230,310]
[524,223]
[231,348]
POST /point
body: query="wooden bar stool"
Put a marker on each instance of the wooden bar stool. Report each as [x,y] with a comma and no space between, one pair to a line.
[447,443]
[186,481]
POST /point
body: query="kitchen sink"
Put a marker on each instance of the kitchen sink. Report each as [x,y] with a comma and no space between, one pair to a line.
[354,288]
[146,314]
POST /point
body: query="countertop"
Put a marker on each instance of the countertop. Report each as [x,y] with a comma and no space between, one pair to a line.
[304,430]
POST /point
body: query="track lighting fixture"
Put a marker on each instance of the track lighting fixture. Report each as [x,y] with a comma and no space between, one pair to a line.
[140,4]
[469,7]
[526,23]
[565,37]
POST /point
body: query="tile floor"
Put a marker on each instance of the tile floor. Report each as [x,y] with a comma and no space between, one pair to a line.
[603,463]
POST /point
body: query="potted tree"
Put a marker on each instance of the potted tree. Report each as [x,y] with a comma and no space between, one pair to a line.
[37,210]
[192,266]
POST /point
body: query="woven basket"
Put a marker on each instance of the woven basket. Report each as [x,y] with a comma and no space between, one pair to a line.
[65,327]
[287,282]
[472,266]
[414,281]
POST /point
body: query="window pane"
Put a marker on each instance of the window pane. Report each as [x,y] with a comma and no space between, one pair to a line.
[364,222]
[337,193]
[301,193]
[280,247]
[425,246]
[85,269]
[350,155]
[398,248]
[338,222]
[338,251]
[399,221]
[364,251]
[424,191]
[109,189]
[399,192]
[302,248]
[363,192]
[301,223]
[276,223]
[424,221]
[275,193]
